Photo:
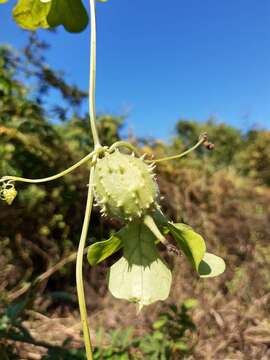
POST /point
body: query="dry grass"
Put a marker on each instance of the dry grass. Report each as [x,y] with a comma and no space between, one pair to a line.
[232,317]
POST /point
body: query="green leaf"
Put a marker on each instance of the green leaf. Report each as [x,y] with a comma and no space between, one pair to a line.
[3,1]
[69,13]
[5,85]
[140,276]
[190,242]
[31,14]
[15,309]
[101,250]
[211,265]
[180,345]
[159,323]
[189,303]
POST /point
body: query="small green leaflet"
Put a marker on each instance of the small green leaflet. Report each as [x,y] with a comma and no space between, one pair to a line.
[35,14]
[69,13]
[31,14]
[193,246]
[211,266]
[190,242]
[101,250]
[140,276]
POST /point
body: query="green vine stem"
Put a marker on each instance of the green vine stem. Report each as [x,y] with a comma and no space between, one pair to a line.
[125,144]
[202,139]
[79,268]
[150,223]
[57,176]
[89,203]
[92,74]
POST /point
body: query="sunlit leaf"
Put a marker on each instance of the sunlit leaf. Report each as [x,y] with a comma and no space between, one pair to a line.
[101,250]
[159,323]
[180,345]
[189,303]
[31,14]
[190,242]
[140,276]
[69,13]
[211,265]
[3,1]
[5,86]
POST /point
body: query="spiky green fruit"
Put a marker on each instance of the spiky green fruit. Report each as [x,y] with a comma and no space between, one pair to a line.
[125,186]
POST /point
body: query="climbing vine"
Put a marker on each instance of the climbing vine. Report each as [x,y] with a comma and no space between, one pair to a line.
[122,183]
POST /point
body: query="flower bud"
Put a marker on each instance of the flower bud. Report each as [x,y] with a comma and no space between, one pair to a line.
[8,193]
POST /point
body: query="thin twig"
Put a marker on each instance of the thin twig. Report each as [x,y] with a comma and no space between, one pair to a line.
[44,276]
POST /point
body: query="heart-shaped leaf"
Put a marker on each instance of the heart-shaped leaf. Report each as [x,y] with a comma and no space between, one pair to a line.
[193,246]
[190,242]
[69,13]
[211,265]
[31,14]
[140,276]
[101,250]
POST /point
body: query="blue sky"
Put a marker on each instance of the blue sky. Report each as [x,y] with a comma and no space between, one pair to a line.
[160,61]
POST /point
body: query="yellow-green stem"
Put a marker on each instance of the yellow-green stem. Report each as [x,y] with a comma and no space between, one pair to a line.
[201,141]
[89,204]
[125,144]
[54,177]
[79,267]
[92,78]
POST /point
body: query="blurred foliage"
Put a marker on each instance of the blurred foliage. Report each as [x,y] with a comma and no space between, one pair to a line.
[255,160]
[48,216]
[228,140]
[248,153]
[169,337]
[224,194]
